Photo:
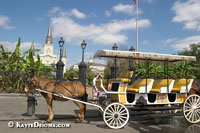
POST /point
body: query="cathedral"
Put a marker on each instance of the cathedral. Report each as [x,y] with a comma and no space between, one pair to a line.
[48,58]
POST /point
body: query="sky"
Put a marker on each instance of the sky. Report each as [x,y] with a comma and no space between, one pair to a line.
[165,26]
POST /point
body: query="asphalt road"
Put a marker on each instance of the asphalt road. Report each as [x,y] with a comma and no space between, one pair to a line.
[13,108]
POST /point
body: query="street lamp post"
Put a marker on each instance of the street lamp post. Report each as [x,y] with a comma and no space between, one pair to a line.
[82,66]
[60,65]
[131,67]
[132,49]
[114,68]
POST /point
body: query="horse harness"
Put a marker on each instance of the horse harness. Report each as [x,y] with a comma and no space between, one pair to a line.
[55,86]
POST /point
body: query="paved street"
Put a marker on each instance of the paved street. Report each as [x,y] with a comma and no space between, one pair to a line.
[13,108]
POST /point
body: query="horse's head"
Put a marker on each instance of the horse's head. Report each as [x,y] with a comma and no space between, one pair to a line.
[31,84]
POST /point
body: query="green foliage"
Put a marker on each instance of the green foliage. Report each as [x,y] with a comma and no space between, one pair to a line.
[90,75]
[123,65]
[11,66]
[156,69]
[16,65]
[194,50]
[71,75]
[107,71]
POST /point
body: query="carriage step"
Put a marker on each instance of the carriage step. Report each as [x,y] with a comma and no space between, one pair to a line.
[156,115]
[146,108]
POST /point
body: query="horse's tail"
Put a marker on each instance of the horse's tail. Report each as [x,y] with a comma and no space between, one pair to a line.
[85,98]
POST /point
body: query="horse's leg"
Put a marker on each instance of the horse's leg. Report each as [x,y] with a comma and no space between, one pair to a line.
[49,100]
[80,115]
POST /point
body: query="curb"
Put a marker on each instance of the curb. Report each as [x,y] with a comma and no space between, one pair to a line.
[17,119]
[12,94]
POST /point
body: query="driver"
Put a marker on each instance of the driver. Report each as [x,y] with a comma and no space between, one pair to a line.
[94,87]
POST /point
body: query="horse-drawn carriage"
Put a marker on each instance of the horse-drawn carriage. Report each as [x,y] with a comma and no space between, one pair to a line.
[145,92]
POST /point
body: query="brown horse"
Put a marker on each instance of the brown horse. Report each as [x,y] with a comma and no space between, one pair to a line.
[73,89]
[195,89]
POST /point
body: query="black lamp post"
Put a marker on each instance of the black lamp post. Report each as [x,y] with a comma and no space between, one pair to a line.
[60,65]
[131,66]
[114,69]
[83,46]
[82,66]
[132,49]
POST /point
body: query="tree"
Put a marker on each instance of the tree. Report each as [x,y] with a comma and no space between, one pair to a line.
[13,64]
[16,65]
[71,75]
[194,67]
[90,75]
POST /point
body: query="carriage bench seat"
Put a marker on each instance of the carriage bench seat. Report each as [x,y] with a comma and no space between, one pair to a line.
[140,86]
[160,86]
[100,86]
[180,85]
[120,80]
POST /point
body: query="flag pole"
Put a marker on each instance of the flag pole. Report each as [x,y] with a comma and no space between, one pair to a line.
[136,25]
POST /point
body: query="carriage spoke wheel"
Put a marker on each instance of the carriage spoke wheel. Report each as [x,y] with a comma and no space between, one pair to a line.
[116,116]
[191,109]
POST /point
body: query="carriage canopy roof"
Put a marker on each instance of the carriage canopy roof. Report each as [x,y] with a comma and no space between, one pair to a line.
[142,56]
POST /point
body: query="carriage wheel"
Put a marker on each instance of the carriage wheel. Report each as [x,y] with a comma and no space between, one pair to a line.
[191,109]
[116,115]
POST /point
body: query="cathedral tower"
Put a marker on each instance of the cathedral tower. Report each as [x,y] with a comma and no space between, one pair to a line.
[48,46]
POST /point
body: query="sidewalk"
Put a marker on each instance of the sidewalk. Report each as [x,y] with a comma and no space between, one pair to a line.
[13,106]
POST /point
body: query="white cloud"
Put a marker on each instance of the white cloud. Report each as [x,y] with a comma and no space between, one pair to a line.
[23,47]
[128,9]
[108,13]
[55,10]
[170,40]
[78,14]
[180,44]
[187,12]
[106,34]
[4,20]
[73,12]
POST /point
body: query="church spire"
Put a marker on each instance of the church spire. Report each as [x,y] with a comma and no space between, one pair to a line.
[64,52]
[32,48]
[49,36]
[90,59]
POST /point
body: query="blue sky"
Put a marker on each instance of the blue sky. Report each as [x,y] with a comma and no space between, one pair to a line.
[165,26]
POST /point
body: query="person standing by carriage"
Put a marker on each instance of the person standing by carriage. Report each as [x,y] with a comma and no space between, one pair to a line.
[94,87]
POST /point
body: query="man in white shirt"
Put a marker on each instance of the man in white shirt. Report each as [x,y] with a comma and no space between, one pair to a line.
[94,88]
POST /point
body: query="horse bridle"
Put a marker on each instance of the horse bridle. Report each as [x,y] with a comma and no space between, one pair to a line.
[30,82]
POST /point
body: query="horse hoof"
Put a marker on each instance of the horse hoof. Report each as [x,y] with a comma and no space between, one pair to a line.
[48,121]
[78,120]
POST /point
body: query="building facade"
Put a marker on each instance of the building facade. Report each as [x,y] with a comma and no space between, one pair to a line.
[48,58]
[96,68]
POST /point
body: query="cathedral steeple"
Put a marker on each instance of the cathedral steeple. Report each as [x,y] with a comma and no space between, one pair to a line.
[48,46]
[91,59]
[49,36]
[32,48]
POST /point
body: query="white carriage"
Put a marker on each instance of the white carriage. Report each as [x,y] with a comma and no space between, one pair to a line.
[148,91]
